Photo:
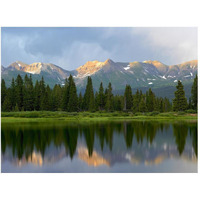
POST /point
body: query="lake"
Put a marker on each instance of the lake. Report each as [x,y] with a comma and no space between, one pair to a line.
[111,146]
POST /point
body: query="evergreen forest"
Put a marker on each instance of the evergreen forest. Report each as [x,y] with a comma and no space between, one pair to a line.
[23,95]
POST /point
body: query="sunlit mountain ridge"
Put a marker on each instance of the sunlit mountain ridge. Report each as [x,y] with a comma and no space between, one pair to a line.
[140,75]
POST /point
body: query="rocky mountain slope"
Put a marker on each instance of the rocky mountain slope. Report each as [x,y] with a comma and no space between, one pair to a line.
[51,73]
[144,74]
[137,74]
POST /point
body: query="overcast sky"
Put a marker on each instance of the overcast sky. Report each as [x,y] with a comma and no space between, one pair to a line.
[71,47]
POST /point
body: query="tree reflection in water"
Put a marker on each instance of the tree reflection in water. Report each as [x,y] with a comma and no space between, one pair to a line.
[24,139]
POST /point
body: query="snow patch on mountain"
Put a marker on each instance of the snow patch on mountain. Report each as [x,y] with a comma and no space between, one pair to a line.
[192,66]
[149,79]
[169,76]
[163,77]
[126,68]
[31,72]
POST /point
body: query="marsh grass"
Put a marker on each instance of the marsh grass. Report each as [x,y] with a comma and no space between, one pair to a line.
[36,116]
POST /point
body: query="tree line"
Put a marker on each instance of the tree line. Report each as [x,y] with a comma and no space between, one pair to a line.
[23,95]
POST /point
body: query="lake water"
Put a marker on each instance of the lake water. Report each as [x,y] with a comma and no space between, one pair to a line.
[126,146]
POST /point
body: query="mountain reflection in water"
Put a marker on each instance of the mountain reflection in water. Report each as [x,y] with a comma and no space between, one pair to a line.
[108,146]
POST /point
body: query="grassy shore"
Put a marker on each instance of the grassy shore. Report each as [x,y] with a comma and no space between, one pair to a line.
[37,116]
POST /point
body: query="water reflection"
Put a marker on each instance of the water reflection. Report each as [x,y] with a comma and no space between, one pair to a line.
[94,160]
[98,144]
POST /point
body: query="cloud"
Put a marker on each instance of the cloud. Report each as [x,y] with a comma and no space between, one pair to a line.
[71,47]
[174,45]
[13,49]
[66,47]
[79,53]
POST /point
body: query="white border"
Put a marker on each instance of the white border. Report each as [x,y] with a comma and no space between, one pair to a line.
[141,13]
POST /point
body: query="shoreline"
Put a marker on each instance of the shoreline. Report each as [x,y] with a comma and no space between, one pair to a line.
[42,116]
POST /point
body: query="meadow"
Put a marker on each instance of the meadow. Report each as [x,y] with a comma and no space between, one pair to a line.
[82,116]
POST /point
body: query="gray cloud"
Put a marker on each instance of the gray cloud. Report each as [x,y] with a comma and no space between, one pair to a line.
[72,47]
[171,45]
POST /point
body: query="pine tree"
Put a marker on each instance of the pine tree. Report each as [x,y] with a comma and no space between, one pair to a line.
[86,97]
[31,93]
[91,102]
[136,102]
[37,95]
[180,101]
[65,100]
[19,92]
[45,99]
[56,98]
[142,105]
[128,98]
[161,105]
[28,93]
[101,98]
[96,104]
[48,98]
[89,96]
[190,103]
[194,93]
[80,102]
[105,96]
[16,108]
[59,96]
[167,105]
[7,104]
[157,104]
[3,91]
[73,98]
[118,102]
[43,94]
[150,100]
[109,98]
[12,94]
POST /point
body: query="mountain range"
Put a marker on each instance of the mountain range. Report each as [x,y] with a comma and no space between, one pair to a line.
[140,75]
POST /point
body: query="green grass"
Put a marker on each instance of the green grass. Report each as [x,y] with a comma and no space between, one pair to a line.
[36,116]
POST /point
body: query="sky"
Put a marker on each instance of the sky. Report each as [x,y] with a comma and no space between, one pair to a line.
[71,47]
